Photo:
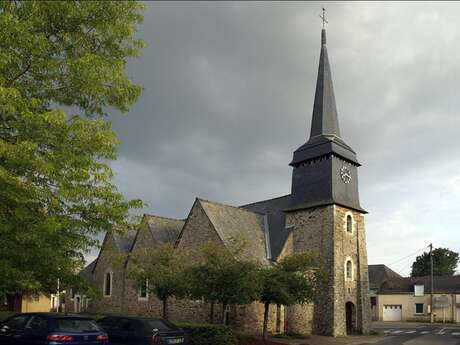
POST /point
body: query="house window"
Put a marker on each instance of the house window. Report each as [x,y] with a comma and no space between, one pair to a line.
[349,224]
[419,290]
[143,289]
[108,284]
[418,308]
[348,270]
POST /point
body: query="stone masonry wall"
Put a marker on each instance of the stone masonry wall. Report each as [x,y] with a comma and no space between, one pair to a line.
[110,260]
[313,233]
[352,246]
[322,231]
[197,231]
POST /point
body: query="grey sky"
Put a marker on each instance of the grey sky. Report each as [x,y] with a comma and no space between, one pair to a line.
[228,97]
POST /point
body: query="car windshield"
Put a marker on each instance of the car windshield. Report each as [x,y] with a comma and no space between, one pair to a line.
[76,325]
[161,325]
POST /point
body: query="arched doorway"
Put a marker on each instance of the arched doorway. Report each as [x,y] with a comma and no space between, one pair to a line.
[350,317]
[77,304]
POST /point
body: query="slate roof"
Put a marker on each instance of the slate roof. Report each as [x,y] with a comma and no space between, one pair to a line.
[273,208]
[125,240]
[380,273]
[87,272]
[234,223]
[406,285]
[325,132]
[164,230]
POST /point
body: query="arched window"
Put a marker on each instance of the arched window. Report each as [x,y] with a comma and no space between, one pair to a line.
[349,270]
[144,289]
[108,284]
[349,224]
[77,304]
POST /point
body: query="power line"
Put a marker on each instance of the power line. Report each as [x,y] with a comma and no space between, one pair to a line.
[408,256]
[406,268]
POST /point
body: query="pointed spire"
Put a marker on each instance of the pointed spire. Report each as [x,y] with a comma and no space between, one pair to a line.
[324,119]
[325,133]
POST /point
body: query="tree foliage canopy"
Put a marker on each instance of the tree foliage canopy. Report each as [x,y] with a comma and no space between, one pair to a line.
[56,189]
[294,280]
[164,268]
[223,277]
[444,263]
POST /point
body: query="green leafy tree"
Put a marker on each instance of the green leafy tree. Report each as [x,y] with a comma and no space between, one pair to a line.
[222,277]
[163,271]
[293,280]
[445,263]
[56,189]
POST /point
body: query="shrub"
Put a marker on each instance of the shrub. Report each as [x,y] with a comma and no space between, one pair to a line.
[5,314]
[245,337]
[209,334]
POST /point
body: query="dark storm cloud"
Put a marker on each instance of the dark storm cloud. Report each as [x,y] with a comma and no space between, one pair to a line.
[228,94]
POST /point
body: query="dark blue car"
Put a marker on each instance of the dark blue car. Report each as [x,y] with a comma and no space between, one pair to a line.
[51,329]
[125,330]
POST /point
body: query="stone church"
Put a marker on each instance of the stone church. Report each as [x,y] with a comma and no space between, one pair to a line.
[322,214]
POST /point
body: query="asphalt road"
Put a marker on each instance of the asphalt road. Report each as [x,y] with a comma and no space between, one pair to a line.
[398,333]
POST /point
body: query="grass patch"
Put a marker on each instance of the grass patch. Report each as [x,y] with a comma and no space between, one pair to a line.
[291,335]
[245,337]
[373,332]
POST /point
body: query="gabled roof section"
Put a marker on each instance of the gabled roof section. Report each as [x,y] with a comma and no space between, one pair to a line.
[325,132]
[379,274]
[87,272]
[233,223]
[124,241]
[276,219]
[406,285]
[164,230]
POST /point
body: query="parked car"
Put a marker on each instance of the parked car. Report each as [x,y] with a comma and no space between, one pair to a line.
[124,330]
[51,329]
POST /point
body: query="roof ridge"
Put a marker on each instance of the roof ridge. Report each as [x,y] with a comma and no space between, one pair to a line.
[258,202]
[170,218]
[226,205]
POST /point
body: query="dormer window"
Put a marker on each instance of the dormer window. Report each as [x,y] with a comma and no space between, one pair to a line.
[419,290]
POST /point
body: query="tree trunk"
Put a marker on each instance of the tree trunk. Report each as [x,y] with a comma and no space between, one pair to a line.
[165,308]
[224,313]
[211,313]
[278,318]
[266,310]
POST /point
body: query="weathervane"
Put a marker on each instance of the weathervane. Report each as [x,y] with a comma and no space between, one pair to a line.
[323,17]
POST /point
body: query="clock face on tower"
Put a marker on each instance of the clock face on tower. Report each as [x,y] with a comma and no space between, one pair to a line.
[345,174]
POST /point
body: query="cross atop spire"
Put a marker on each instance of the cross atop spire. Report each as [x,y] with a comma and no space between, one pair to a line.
[323,17]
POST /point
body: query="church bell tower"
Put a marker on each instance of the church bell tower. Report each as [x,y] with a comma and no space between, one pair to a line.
[326,217]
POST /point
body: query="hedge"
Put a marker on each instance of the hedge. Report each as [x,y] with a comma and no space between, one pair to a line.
[5,314]
[209,334]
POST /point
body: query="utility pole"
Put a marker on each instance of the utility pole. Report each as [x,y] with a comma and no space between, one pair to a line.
[432,285]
